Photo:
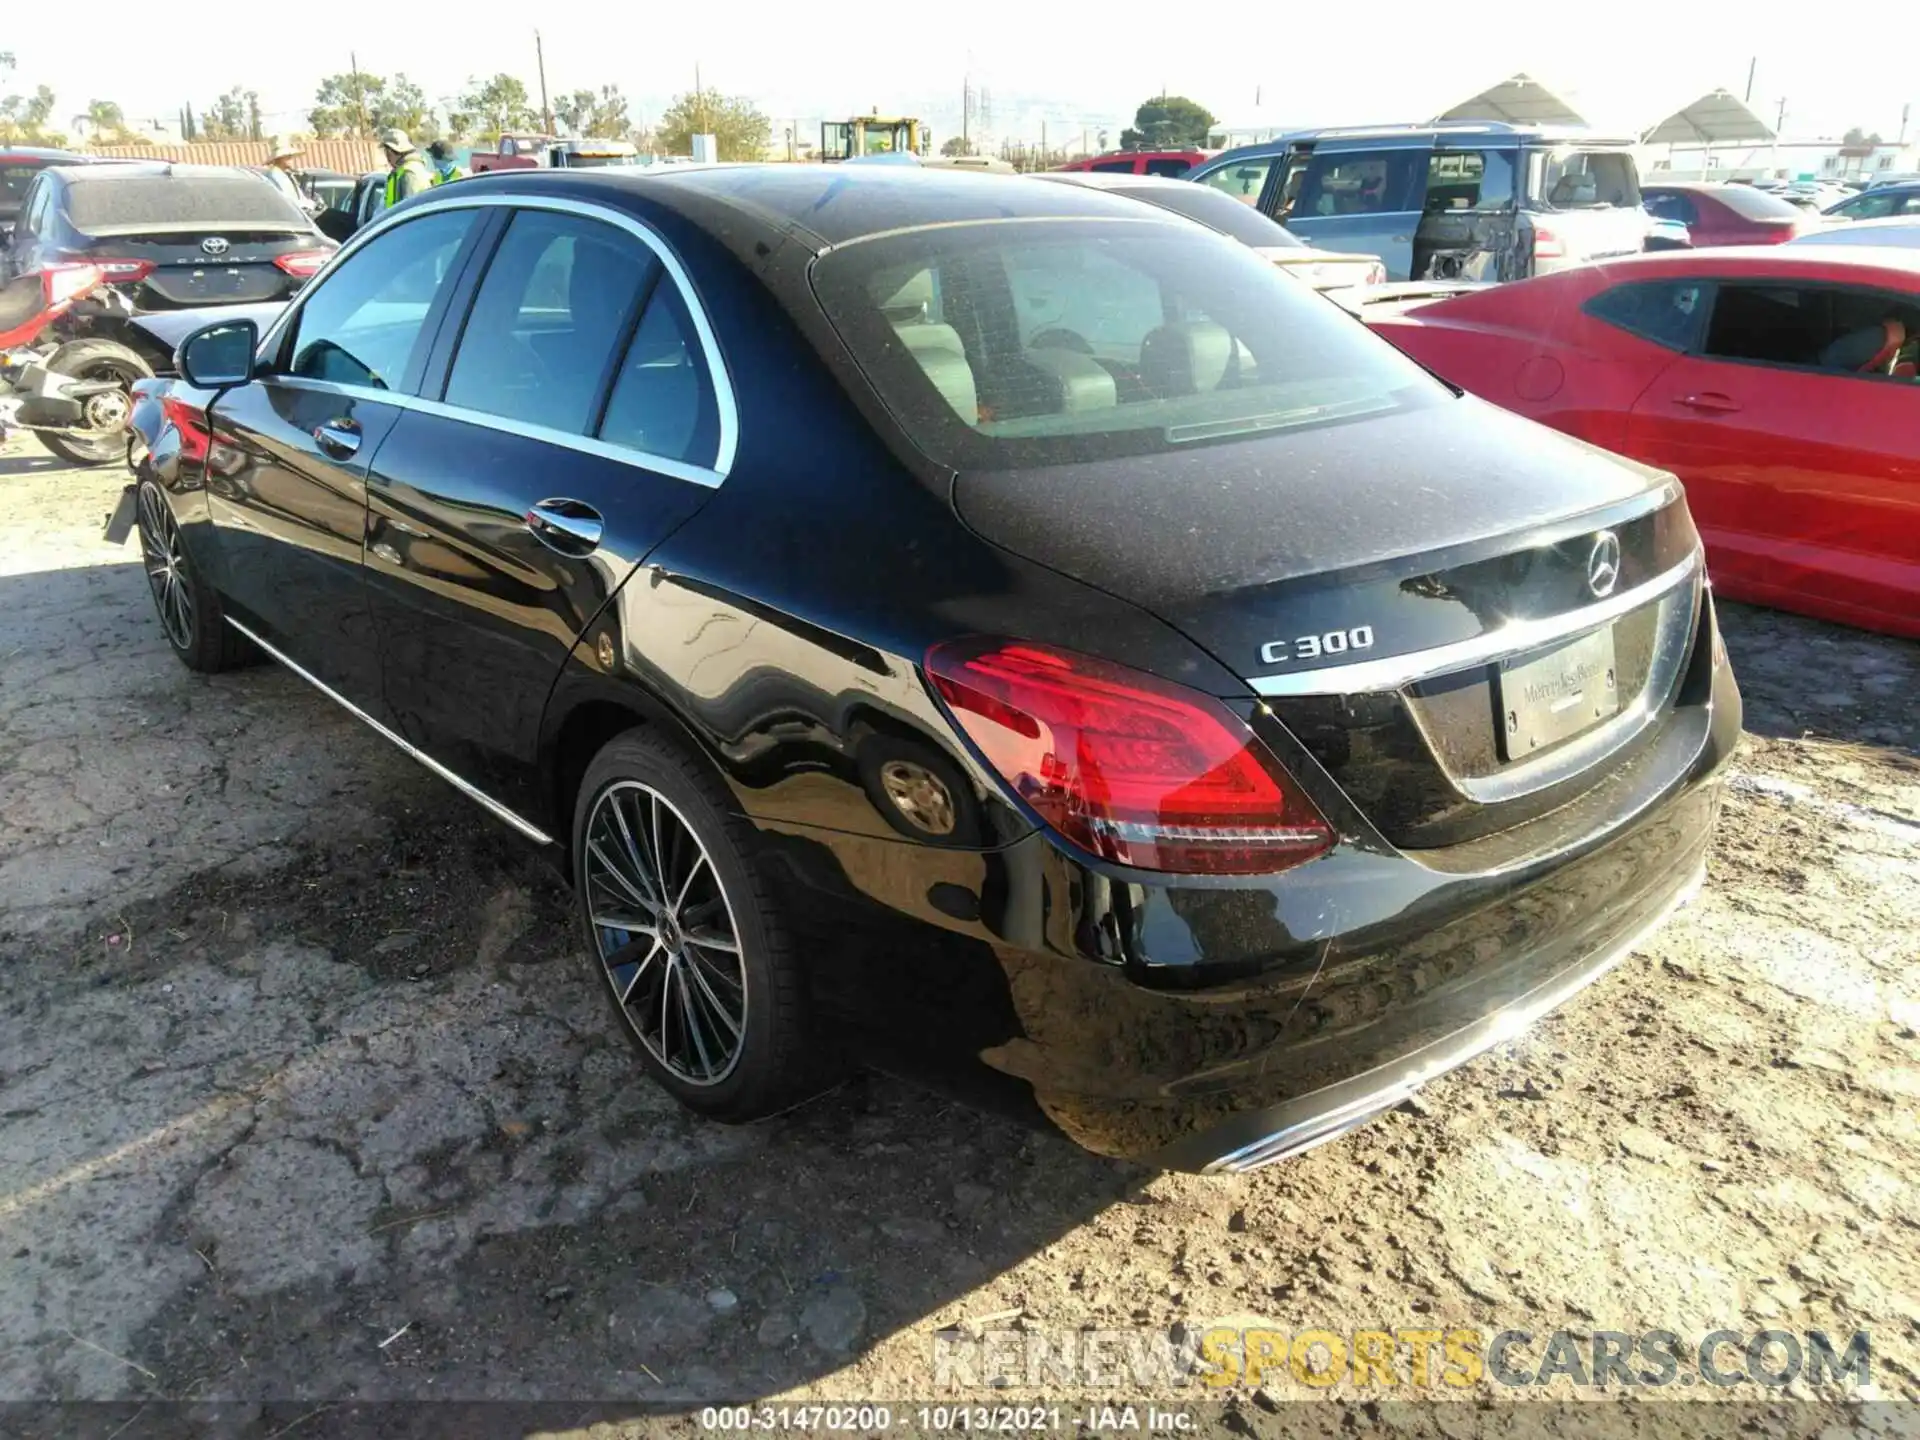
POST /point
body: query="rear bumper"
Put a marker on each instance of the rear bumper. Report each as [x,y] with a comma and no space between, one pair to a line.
[1218,1025]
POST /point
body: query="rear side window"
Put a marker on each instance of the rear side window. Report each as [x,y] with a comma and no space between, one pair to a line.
[1672,205]
[15,180]
[1665,312]
[1752,204]
[547,324]
[1469,180]
[225,198]
[1243,180]
[1570,179]
[362,324]
[1171,166]
[1361,182]
[1113,167]
[663,401]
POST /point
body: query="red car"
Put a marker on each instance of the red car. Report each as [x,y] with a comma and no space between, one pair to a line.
[1170,163]
[1728,214]
[1779,384]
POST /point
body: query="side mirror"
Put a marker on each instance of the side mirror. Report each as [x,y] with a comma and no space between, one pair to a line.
[218,356]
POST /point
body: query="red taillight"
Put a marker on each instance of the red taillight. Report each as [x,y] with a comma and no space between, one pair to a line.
[1546,244]
[303,264]
[122,272]
[1130,768]
[62,283]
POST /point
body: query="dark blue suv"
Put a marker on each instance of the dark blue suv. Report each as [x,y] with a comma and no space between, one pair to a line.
[1477,200]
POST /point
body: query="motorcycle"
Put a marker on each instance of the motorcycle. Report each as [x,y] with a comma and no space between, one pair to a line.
[72,393]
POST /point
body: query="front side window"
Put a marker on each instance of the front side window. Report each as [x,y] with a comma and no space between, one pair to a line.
[362,324]
[1369,182]
[1021,344]
[1113,167]
[547,322]
[1243,180]
[1666,312]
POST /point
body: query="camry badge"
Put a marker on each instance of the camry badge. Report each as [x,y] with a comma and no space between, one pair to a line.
[215,245]
[1603,564]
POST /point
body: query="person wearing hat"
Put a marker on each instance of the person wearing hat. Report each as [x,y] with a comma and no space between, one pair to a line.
[443,167]
[279,171]
[405,174]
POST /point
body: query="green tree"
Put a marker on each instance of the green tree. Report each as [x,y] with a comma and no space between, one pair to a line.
[733,120]
[602,116]
[344,106]
[106,124]
[402,105]
[1168,122]
[959,145]
[232,117]
[491,106]
[23,118]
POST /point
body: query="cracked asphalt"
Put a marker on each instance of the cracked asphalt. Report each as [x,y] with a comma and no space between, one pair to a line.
[307,1095]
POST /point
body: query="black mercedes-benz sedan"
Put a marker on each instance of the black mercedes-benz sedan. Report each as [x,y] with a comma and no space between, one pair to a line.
[946,622]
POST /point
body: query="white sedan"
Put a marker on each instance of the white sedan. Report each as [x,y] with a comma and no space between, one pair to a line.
[1898,230]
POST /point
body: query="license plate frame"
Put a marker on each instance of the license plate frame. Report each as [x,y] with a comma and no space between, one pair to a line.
[1553,695]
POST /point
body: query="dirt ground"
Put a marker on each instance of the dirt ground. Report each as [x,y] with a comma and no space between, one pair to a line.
[307,1095]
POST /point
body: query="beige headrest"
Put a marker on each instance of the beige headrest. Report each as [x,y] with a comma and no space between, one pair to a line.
[902,292]
[943,359]
[1085,384]
[1186,359]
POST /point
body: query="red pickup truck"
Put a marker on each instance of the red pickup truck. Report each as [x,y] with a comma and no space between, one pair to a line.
[1171,163]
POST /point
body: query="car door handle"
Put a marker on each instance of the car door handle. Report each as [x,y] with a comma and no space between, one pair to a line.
[1711,401]
[567,527]
[337,439]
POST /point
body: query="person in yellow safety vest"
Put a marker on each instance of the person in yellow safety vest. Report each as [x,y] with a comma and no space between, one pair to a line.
[442,167]
[405,174]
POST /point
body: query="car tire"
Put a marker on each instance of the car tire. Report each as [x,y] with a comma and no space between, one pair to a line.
[96,360]
[191,615]
[674,972]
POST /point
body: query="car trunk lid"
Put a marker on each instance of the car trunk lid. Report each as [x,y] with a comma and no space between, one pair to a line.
[1376,581]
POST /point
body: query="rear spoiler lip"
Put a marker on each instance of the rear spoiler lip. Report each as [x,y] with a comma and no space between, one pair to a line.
[119,232]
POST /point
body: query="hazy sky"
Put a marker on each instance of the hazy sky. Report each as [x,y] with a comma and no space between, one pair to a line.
[1628,62]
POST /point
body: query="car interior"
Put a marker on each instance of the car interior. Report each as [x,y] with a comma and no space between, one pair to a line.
[1850,331]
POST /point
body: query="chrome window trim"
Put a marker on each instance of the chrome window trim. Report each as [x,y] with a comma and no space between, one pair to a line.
[584,444]
[721,378]
[1391,673]
[472,792]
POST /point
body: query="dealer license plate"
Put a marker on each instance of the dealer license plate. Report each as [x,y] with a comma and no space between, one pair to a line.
[1557,694]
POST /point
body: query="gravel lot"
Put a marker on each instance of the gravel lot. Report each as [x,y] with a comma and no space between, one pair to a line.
[306,1093]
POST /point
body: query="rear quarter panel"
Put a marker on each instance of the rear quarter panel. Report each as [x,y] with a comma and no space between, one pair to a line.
[1535,352]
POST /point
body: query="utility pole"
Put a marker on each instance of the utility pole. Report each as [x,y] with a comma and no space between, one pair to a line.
[1905,111]
[540,60]
[1751,65]
[359,96]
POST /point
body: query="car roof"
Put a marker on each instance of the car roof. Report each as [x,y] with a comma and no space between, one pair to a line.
[832,204]
[41,152]
[145,169]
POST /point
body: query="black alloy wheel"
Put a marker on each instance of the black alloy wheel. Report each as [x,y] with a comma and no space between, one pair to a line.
[190,611]
[693,950]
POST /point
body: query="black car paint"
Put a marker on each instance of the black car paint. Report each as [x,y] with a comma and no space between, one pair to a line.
[775,625]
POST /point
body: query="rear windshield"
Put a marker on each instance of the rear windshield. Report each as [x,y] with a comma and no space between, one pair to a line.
[1585,180]
[1006,345]
[1216,211]
[1755,204]
[229,201]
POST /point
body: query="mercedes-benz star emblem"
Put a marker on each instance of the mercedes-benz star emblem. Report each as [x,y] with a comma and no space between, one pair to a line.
[215,245]
[1603,564]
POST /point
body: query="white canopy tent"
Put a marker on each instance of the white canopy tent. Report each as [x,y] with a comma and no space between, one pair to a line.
[1517,100]
[1717,118]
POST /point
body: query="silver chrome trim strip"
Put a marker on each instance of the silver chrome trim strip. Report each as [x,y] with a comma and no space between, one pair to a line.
[584,444]
[1372,676]
[1450,1053]
[723,396]
[532,832]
